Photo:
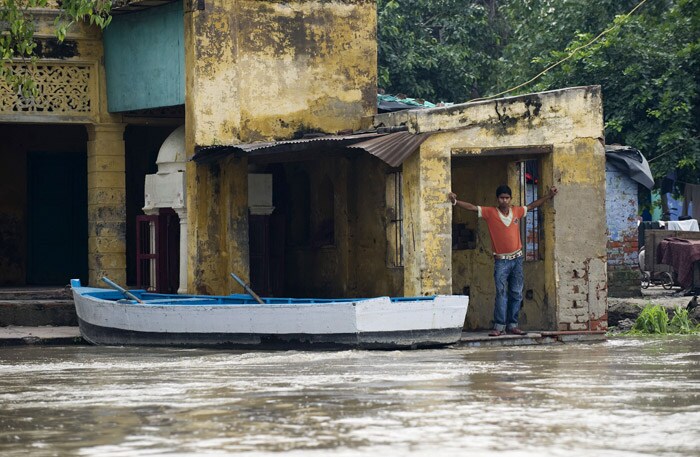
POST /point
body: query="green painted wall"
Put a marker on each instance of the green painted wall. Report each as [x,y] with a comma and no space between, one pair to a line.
[145,59]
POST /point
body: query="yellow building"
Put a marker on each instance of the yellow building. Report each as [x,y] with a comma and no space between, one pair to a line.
[288,178]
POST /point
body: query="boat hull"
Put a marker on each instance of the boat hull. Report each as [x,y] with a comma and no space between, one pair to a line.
[203,321]
[407,339]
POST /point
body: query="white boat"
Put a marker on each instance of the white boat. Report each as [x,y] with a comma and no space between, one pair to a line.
[106,317]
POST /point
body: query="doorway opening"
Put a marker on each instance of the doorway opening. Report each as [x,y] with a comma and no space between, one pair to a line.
[57,218]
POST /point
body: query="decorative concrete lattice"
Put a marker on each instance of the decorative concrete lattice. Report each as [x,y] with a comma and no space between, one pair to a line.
[62,89]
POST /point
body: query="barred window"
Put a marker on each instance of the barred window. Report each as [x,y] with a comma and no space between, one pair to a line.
[531,230]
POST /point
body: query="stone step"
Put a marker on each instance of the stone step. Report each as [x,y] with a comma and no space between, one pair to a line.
[14,336]
[55,312]
[35,293]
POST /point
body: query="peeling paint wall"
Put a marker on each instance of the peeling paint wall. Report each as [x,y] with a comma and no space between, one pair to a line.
[369,216]
[567,124]
[621,205]
[428,227]
[218,225]
[261,70]
[580,233]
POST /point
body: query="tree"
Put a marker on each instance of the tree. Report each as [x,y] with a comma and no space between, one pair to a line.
[17,40]
[442,50]
[647,65]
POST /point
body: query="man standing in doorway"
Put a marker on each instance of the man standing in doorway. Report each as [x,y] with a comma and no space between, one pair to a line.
[503,222]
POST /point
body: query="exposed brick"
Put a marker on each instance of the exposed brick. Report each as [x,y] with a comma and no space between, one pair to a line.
[600,323]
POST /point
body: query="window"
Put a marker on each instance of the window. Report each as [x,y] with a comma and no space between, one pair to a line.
[394,229]
[531,230]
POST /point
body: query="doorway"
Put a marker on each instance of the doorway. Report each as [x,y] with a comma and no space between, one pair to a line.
[57,218]
[475,180]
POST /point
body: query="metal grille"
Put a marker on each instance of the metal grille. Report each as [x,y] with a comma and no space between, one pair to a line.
[531,230]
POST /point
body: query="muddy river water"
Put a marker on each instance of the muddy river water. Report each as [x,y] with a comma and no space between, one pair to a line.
[622,397]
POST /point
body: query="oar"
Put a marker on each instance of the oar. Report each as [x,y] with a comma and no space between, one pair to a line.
[248,289]
[125,292]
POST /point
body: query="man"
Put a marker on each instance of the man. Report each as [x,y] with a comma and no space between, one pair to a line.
[503,222]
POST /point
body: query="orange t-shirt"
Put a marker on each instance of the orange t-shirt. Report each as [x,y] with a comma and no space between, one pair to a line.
[504,230]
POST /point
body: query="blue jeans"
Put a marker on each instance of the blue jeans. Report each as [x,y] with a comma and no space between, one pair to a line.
[508,275]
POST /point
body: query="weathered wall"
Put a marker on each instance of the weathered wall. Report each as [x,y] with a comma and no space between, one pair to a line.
[369,217]
[217,211]
[427,229]
[569,123]
[260,70]
[106,171]
[621,207]
[580,256]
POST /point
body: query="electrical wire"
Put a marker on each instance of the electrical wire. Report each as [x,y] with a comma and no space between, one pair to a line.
[571,54]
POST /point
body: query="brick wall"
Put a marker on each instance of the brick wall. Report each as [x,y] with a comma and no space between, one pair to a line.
[621,205]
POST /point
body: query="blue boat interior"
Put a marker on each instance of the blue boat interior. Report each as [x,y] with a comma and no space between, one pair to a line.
[150,298]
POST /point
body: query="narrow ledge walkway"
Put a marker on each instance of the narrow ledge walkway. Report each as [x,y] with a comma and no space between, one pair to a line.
[69,335]
[44,335]
[482,338]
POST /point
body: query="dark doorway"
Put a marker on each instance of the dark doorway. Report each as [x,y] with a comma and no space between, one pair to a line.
[57,218]
[266,239]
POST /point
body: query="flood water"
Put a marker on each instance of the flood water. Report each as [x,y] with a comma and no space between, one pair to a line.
[623,397]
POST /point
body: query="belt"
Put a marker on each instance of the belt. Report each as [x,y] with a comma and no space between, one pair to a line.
[512,256]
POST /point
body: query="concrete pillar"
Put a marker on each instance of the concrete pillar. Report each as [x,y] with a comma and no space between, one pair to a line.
[427,228]
[182,214]
[106,203]
[217,209]
[580,231]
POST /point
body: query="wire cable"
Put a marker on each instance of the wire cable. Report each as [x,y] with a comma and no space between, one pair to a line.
[571,54]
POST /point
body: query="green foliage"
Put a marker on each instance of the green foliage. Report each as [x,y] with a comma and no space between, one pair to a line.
[681,323]
[647,64]
[653,320]
[96,12]
[441,50]
[17,41]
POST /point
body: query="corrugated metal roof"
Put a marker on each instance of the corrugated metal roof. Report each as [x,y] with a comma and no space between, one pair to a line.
[262,149]
[393,148]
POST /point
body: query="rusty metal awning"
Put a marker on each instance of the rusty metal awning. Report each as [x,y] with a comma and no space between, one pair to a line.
[392,148]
